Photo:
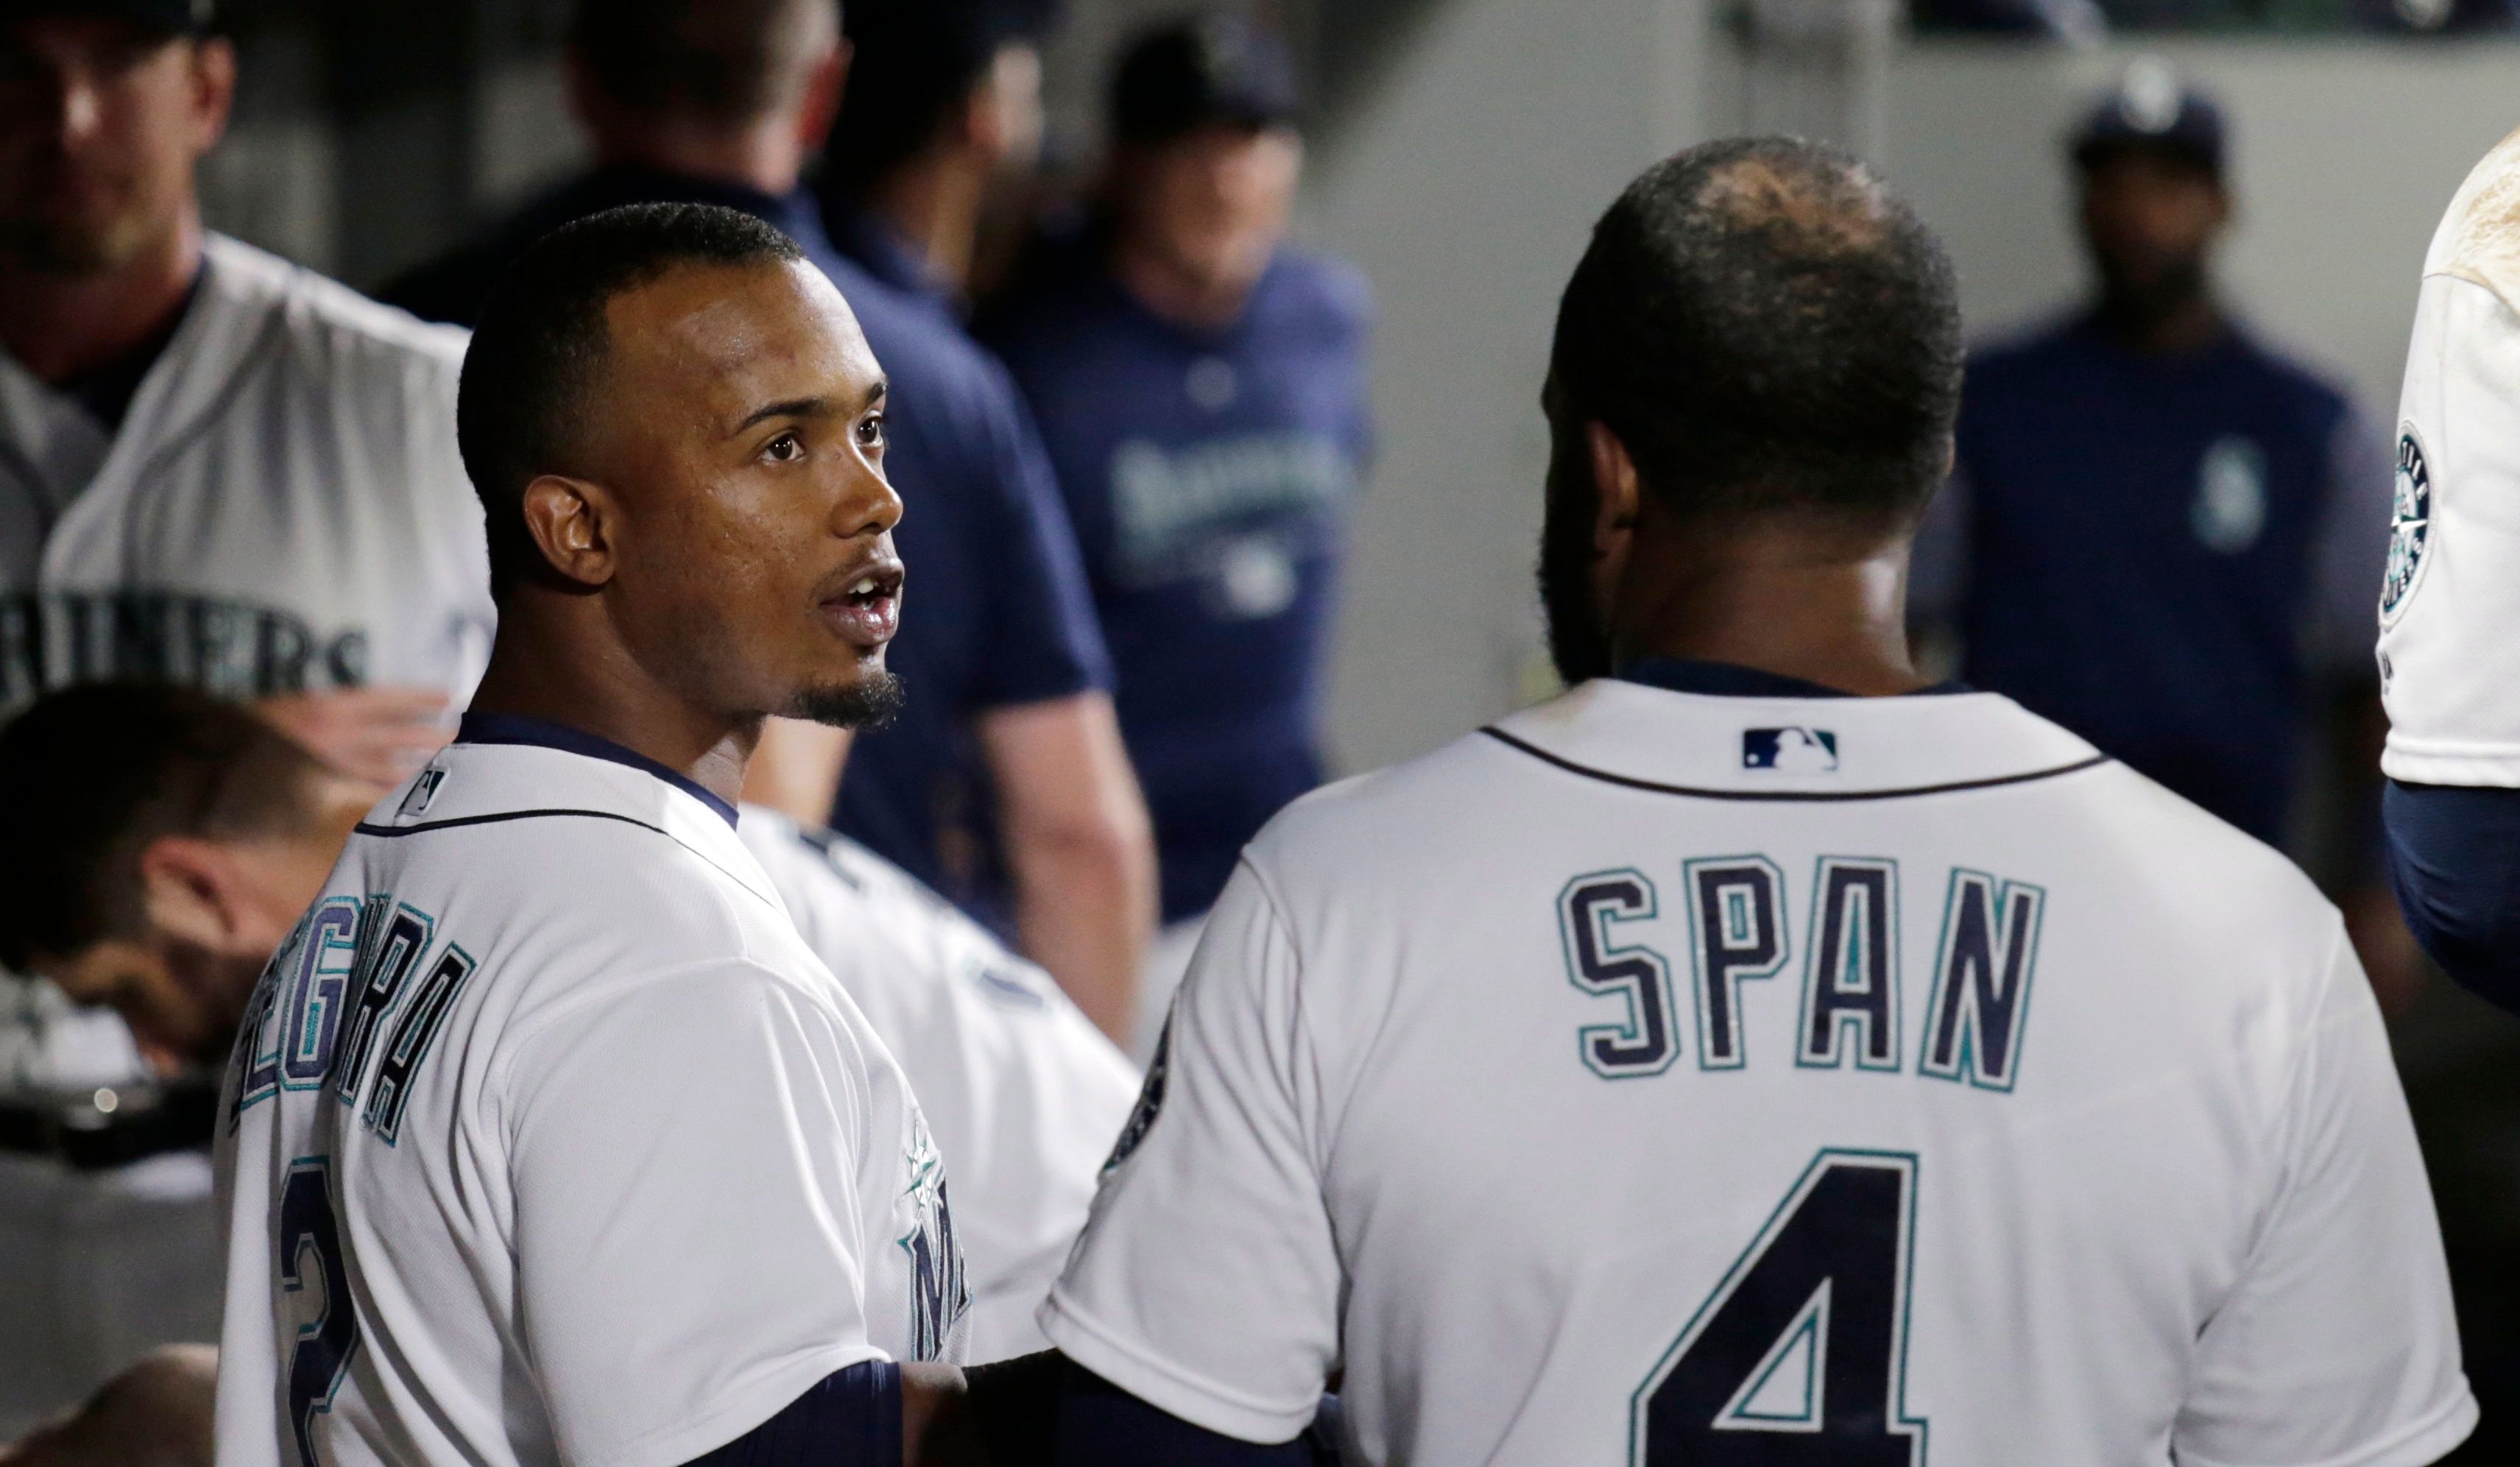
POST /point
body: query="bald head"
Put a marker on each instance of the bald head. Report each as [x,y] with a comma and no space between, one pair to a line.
[1767,329]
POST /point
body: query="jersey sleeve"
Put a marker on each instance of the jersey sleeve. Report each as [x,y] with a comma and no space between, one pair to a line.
[2337,1348]
[1041,639]
[2450,668]
[1207,1283]
[686,1162]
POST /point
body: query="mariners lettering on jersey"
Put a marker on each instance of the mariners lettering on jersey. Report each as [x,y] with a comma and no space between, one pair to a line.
[220,645]
[339,1003]
[939,1292]
[1977,999]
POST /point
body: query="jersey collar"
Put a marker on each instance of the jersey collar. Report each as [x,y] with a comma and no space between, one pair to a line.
[515,728]
[1796,745]
[1731,680]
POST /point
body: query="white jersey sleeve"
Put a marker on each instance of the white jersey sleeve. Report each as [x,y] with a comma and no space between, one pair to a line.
[2450,668]
[2338,1344]
[1213,1209]
[684,1159]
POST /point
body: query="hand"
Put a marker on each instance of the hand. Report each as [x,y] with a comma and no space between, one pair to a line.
[380,734]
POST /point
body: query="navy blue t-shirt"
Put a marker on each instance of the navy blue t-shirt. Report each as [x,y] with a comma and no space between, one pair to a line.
[2151,544]
[1209,474]
[995,610]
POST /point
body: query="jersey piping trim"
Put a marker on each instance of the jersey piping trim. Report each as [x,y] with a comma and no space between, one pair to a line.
[1774,796]
[390,831]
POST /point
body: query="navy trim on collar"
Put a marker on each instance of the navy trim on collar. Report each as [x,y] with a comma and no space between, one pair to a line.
[515,728]
[1730,680]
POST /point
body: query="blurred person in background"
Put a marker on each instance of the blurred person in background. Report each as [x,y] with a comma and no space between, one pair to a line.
[1004,784]
[1008,728]
[182,841]
[216,467]
[2163,533]
[219,468]
[1202,387]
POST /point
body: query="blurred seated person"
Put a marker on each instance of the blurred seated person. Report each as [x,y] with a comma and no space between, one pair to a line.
[2160,531]
[1200,385]
[217,467]
[180,840]
[155,1413]
[1007,743]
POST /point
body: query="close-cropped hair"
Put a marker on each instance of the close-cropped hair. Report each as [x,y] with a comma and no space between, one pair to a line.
[91,777]
[538,352]
[1767,329]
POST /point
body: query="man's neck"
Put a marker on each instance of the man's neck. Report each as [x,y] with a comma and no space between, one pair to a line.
[594,685]
[1817,607]
[934,203]
[61,326]
[763,156]
[1184,296]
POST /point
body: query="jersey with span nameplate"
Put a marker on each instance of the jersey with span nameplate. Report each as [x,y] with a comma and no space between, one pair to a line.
[548,1139]
[1023,1092]
[1665,1078]
[283,510]
[2449,669]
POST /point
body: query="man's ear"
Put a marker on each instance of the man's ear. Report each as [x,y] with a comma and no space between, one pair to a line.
[569,519]
[824,86]
[215,80]
[189,891]
[1619,491]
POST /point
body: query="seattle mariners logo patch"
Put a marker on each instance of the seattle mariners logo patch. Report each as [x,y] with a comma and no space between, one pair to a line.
[1789,751]
[1151,1102]
[2409,527]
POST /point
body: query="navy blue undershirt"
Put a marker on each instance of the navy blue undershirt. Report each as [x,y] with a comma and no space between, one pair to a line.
[2455,860]
[851,1415]
[542,732]
[1732,680]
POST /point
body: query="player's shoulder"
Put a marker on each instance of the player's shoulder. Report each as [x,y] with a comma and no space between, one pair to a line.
[1319,290]
[325,326]
[2479,235]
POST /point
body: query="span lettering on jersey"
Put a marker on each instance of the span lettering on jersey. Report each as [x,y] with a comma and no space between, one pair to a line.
[348,957]
[221,645]
[1978,1005]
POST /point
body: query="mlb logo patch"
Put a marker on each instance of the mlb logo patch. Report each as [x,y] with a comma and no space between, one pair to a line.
[422,790]
[1789,751]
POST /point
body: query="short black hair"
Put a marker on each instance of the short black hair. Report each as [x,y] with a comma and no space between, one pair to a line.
[92,775]
[1767,328]
[911,62]
[722,60]
[540,346]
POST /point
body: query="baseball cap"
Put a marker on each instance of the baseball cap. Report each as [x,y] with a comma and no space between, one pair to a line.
[172,16]
[1214,68]
[2151,108]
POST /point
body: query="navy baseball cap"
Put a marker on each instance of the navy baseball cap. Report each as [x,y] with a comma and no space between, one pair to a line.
[1187,73]
[2152,108]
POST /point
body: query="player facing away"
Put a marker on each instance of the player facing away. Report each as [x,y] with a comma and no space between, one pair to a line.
[547,1139]
[1615,1086]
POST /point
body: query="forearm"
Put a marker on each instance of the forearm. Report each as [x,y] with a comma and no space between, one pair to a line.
[1084,908]
[1082,851]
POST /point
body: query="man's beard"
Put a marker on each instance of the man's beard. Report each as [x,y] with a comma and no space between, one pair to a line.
[1578,643]
[871,703]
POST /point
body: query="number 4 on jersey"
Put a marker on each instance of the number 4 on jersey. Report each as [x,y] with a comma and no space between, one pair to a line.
[1800,1354]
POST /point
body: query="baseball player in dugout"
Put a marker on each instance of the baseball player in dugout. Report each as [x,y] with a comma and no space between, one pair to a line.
[216,467]
[588,1157]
